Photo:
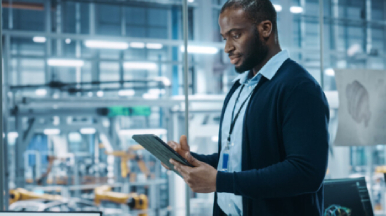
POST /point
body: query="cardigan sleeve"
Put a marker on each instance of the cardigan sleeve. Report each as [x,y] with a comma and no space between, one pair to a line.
[305,138]
[209,159]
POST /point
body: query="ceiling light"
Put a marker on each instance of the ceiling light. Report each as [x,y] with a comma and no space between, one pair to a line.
[41,92]
[215,139]
[140,65]
[278,8]
[165,80]
[68,41]
[87,131]
[200,50]
[74,137]
[329,72]
[157,131]
[100,93]
[51,131]
[106,44]
[65,62]
[149,96]
[13,135]
[39,39]
[296,9]
[154,46]
[156,91]
[354,49]
[190,1]
[128,92]
[138,45]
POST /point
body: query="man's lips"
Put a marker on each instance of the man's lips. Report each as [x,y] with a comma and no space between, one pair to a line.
[234,59]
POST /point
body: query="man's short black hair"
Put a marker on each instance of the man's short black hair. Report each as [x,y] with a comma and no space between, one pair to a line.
[257,10]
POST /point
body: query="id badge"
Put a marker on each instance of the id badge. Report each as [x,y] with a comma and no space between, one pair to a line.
[225,160]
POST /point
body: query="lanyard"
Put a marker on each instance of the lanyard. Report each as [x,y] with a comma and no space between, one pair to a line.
[238,113]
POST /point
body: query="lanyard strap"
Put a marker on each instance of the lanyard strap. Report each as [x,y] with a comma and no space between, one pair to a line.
[238,113]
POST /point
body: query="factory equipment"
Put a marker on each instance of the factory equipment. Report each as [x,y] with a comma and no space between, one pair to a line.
[133,200]
[125,156]
[23,194]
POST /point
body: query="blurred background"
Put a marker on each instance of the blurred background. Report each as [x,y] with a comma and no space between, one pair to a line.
[81,77]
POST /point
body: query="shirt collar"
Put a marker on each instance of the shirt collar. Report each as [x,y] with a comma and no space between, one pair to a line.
[268,70]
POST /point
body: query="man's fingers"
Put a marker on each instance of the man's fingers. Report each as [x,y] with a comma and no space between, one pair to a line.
[164,165]
[184,143]
[193,161]
[183,170]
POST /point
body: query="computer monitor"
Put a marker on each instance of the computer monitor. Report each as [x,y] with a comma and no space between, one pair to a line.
[13,213]
[347,197]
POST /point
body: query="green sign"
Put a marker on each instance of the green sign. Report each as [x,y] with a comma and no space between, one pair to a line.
[129,111]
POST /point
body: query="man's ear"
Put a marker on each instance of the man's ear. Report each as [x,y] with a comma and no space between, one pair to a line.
[265,29]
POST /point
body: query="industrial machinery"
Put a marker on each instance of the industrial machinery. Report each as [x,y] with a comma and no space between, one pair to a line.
[67,205]
[125,156]
[23,194]
[133,200]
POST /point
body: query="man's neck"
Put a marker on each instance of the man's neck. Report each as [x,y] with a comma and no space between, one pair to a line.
[271,53]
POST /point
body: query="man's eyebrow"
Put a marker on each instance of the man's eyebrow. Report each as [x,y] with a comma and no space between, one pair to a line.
[228,32]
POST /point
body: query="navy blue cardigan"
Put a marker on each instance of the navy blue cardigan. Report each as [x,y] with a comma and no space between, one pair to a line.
[284,147]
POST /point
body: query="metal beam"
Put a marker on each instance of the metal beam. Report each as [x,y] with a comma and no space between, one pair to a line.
[30,34]
[28,134]
[19,160]
[1,126]
[321,27]
[186,88]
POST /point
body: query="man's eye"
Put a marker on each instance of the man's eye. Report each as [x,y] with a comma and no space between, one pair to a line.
[237,36]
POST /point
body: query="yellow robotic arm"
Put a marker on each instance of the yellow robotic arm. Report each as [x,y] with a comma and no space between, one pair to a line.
[22,194]
[133,200]
[130,155]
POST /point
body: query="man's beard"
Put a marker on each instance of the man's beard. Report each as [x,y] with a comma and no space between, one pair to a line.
[255,56]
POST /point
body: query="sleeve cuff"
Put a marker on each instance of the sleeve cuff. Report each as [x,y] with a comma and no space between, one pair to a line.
[224,182]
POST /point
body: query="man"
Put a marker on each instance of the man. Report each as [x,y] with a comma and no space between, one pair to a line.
[273,139]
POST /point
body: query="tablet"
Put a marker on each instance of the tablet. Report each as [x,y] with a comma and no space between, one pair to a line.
[160,150]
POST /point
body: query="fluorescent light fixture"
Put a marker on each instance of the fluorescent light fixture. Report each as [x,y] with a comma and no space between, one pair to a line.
[106,44]
[154,46]
[38,39]
[329,72]
[156,91]
[65,62]
[149,96]
[51,131]
[138,45]
[41,92]
[13,135]
[190,1]
[278,8]
[68,41]
[354,49]
[74,137]
[140,65]
[87,130]
[157,131]
[100,93]
[128,92]
[296,9]
[200,50]
[165,80]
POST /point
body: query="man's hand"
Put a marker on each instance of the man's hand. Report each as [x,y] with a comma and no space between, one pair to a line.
[201,178]
[181,148]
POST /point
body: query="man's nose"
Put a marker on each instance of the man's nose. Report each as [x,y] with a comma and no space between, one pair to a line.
[228,47]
